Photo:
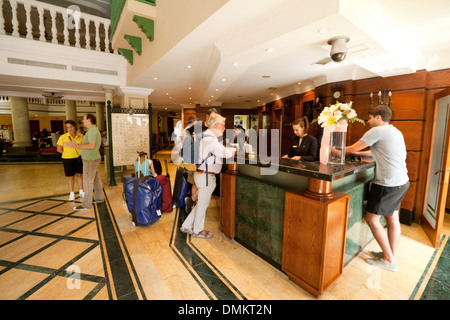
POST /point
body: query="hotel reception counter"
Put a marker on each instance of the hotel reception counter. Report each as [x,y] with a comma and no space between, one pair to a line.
[304,218]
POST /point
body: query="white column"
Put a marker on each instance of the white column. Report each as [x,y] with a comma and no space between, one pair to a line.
[71,110]
[100,115]
[21,122]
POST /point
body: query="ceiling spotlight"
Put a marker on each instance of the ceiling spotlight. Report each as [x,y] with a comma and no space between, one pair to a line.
[269,50]
[322,30]
[338,48]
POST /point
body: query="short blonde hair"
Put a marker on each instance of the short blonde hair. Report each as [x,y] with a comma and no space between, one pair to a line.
[214,119]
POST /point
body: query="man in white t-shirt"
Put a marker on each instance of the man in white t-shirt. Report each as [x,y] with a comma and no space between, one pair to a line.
[387,146]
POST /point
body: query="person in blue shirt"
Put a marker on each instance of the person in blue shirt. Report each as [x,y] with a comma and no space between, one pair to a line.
[144,165]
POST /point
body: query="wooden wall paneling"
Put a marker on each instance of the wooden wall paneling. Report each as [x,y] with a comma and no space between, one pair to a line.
[412,132]
[356,131]
[408,104]
[408,201]
[395,83]
[412,106]
[438,79]
[187,113]
[413,164]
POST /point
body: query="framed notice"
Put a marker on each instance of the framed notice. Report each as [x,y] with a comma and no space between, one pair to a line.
[130,134]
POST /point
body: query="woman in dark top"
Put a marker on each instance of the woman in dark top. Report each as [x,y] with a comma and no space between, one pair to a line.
[303,145]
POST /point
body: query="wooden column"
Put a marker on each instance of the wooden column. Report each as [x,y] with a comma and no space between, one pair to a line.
[315,226]
[228,200]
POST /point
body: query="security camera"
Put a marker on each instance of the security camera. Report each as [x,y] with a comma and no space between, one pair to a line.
[338,48]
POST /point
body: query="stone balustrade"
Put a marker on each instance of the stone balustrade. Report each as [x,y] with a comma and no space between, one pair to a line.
[69,26]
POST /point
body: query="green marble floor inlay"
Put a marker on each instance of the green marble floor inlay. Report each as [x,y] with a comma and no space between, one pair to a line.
[438,284]
[207,276]
[55,209]
[53,203]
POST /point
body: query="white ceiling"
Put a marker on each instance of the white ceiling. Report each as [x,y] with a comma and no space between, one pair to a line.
[387,37]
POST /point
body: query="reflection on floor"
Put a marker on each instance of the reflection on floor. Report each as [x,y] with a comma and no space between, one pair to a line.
[49,251]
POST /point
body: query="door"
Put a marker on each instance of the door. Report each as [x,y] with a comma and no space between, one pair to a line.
[438,171]
[57,125]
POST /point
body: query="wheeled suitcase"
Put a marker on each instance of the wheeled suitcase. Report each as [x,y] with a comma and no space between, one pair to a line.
[181,187]
[164,181]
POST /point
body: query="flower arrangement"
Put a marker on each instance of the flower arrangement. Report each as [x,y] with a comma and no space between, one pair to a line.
[337,115]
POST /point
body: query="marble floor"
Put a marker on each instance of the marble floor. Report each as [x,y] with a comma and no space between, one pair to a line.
[48,251]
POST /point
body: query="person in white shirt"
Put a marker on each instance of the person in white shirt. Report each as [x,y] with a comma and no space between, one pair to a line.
[387,146]
[213,151]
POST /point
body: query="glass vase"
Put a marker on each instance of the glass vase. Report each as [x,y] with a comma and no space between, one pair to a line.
[336,152]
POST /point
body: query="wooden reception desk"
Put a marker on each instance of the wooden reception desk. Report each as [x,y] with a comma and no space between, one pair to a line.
[314,216]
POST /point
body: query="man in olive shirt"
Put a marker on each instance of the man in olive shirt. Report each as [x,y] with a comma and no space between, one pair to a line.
[91,160]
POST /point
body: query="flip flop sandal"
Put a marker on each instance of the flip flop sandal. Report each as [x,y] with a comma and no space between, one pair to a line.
[203,235]
[184,230]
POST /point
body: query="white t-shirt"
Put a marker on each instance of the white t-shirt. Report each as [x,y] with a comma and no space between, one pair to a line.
[389,151]
[210,144]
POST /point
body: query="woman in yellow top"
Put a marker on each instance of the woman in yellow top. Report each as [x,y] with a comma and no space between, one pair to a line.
[71,157]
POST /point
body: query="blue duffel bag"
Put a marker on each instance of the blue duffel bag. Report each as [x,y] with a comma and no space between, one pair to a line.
[143,197]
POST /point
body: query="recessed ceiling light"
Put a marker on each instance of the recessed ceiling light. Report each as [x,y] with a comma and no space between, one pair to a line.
[167,93]
[299,83]
[269,50]
[224,79]
[189,67]
[190,88]
[155,78]
[217,89]
[322,30]
[235,64]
